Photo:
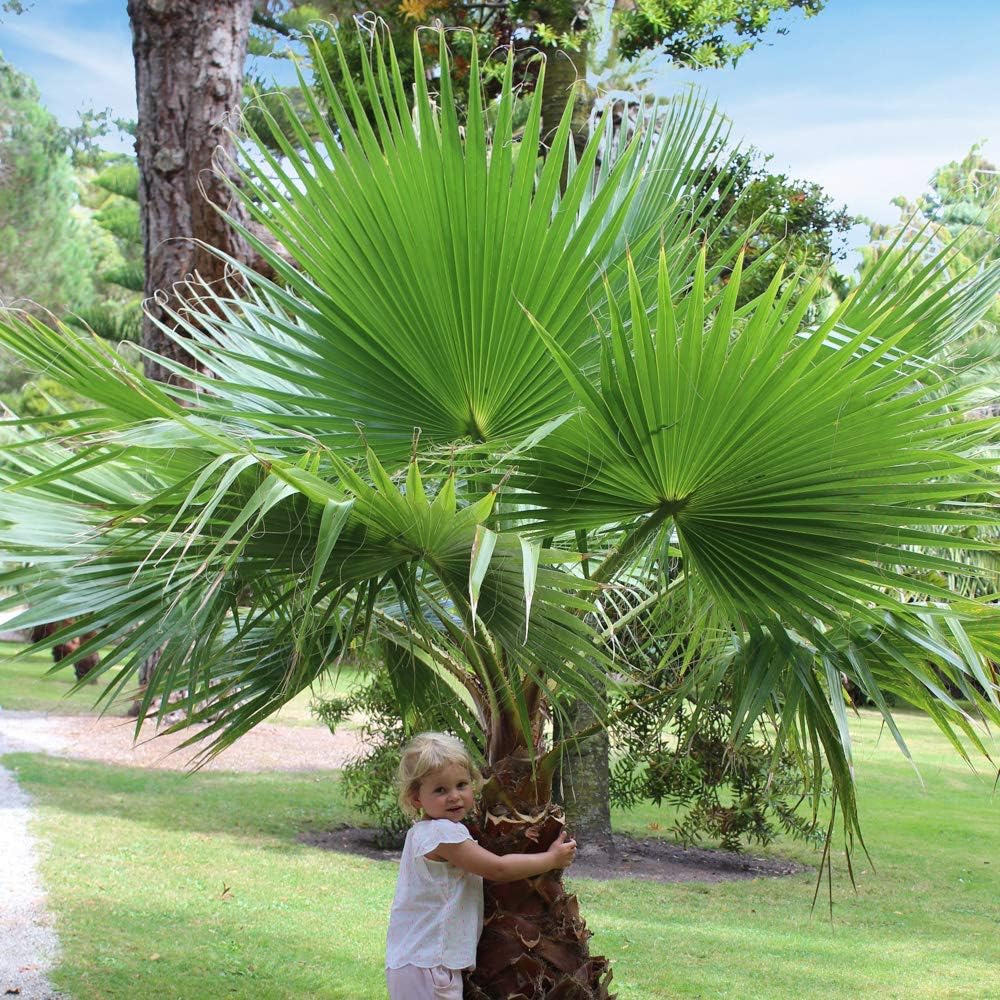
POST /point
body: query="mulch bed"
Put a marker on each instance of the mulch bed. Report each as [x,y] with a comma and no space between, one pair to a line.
[651,858]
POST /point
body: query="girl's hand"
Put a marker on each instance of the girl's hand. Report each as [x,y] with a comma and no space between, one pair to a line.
[470,857]
[562,852]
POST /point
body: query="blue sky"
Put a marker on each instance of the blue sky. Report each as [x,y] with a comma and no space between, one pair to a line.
[867,98]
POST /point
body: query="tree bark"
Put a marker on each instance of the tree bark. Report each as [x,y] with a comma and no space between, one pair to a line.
[189,60]
[566,76]
[584,780]
[189,81]
[534,942]
[67,649]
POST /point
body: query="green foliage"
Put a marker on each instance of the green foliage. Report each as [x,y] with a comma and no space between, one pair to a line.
[45,256]
[684,752]
[120,177]
[730,794]
[43,397]
[704,33]
[15,6]
[46,260]
[121,219]
[12,374]
[962,205]
[960,208]
[110,194]
[128,275]
[113,319]
[369,779]
[485,367]
[344,53]
[793,224]
[700,34]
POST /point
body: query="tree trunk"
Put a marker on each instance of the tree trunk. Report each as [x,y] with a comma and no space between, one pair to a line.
[189,81]
[66,650]
[584,779]
[534,941]
[566,74]
[189,60]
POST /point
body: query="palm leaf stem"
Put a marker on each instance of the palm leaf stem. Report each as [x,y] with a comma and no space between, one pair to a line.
[485,652]
[633,541]
[439,655]
[625,620]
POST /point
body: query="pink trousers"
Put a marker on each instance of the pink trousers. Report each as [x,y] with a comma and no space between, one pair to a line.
[410,982]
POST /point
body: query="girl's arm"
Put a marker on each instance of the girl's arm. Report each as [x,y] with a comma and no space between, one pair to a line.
[470,857]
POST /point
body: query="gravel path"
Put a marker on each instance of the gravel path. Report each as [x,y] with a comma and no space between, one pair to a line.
[268,747]
[30,945]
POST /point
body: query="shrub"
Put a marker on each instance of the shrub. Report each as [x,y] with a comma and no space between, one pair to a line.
[732,795]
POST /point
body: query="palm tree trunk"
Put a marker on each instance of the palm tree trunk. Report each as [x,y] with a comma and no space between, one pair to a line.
[534,942]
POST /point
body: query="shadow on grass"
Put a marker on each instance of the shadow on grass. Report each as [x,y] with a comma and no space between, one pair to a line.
[277,806]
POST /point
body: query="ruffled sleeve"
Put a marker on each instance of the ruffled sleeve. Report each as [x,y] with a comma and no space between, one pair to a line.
[429,833]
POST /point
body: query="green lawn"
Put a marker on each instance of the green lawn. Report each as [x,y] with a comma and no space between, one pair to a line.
[925,922]
[195,887]
[29,684]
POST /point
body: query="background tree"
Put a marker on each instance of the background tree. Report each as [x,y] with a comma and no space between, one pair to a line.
[45,258]
[584,394]
[962,205]
[696,35]
[793,223]
[960,208]
[110,191]
[184,103]
[14,7]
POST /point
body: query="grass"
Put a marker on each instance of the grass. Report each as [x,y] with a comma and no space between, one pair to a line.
[924,921]
[195,887]
[29,683]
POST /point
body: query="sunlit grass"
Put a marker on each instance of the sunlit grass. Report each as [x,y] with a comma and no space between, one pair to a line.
[196,887]
[28,683]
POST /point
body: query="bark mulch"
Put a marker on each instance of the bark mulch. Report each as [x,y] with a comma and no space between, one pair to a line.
[651,858]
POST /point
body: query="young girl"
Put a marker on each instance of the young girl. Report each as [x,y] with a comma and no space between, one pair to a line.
[437,913]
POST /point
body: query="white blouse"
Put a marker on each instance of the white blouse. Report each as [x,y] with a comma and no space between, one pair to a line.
[437,913]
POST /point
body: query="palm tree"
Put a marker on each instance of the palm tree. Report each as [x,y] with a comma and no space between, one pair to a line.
[479,405]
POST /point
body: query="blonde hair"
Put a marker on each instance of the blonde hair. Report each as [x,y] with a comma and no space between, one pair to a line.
[428,752]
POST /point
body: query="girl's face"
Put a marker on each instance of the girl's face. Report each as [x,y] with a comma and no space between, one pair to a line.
[445,793]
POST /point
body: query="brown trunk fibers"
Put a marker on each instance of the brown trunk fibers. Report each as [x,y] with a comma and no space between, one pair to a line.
[534,941]
[66,650]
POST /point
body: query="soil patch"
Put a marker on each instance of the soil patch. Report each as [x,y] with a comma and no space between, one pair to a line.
[651,858]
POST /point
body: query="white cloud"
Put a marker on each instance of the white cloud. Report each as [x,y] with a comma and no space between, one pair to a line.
[75,68]
[863,153]
[865,136]
[866,164]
